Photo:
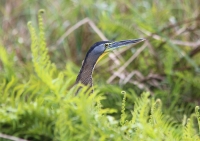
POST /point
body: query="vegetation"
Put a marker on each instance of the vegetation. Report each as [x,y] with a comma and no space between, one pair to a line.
[153,91]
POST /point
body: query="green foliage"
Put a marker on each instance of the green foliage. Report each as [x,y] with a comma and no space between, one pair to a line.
[43,109]
[43,67]
[37,99]
[8,63]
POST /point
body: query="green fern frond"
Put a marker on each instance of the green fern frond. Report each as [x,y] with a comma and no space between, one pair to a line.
[7,88]
[197,113]
[155,112]
[45,70]
[141,109]
[123,114]
[189,133]
[7,62]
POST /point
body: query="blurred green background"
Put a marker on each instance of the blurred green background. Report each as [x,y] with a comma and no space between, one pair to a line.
[167,64]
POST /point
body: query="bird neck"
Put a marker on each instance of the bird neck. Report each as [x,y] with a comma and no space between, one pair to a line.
[85,74]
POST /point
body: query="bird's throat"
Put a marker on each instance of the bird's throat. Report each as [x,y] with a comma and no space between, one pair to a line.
[85,74]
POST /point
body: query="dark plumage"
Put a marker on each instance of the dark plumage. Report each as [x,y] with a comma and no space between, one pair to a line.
[94,54]
[85,74]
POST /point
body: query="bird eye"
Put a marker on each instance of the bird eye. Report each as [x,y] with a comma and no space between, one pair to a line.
[107,44]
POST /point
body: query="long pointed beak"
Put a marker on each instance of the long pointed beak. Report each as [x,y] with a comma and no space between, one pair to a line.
[115,45]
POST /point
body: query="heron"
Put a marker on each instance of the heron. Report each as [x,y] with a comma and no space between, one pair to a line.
[95,53]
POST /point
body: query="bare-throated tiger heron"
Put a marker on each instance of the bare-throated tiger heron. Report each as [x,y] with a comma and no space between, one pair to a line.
[95,53]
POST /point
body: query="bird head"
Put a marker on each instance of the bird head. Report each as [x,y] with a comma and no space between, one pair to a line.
[95,53]
[100,49]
